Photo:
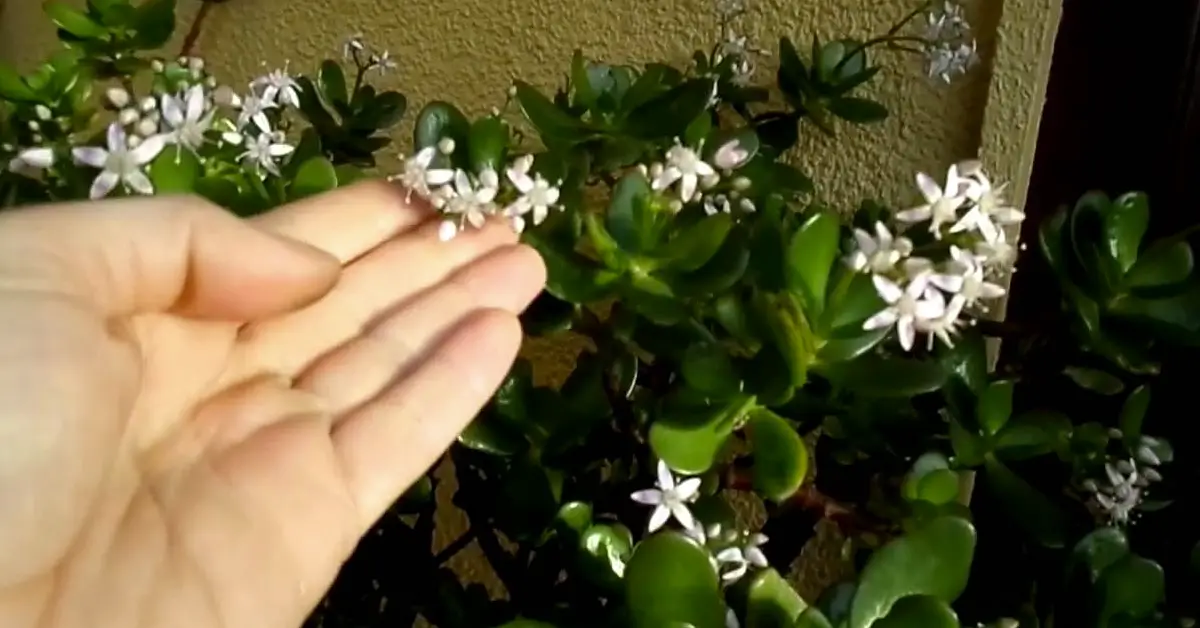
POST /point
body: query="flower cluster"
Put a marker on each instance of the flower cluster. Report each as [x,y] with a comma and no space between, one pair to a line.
[1122,489]
[949,47]
[732,552]
[965,220]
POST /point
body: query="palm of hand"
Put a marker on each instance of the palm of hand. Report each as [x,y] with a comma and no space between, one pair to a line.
[162,470]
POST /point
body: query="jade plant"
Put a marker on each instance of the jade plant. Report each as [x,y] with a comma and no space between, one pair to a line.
[739,335]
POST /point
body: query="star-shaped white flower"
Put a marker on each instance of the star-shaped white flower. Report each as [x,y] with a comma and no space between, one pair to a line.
[735,561]
[997,253]
[470,200]
[254,109]
[670,499]
[685,167]
[941,205]
[32,160]
[263,152]
[967,280]
[120,164]
[905,306]
[944,327]
[538,196]
[881,253]
[278,87]
[418,178]
[188,117]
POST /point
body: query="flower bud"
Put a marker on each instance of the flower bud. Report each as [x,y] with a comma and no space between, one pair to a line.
[747,205]
[512,91]
[643,170]
[34,126]
[196,64]
[731,155]
[157,66]
[741,184]
[445,146]
[447,230]
[128,117]
[37,138]
[675,205]
[43,112]
[134,141]
[226,97]
[147,127]
[148,104]
[707,183]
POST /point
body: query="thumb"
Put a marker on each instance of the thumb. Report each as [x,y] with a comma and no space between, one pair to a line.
[177,254]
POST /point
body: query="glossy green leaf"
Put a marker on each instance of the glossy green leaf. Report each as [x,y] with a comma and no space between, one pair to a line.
[627,211]
[995,406]
[439,120]
[810,257]
[332,81]
[784,319]
[73,21]
[1030,509]
[13,87]
[850,306]
[571,277]
[844,349]
[668,115]
[315,176]
[707,368]
[720,272]
[1132,586]
[487,145]
[793,76]
[387,109]
[1094,380]
[919,611]
[771,602]
[670,581]
[604,552]
[1124,227]
[858,110]
[1032,434]
[877,376]
[1163,264]
[1133,413]
[696,244]
[490,435]
[933,560]
[1097,551]
[548,118]
[586,93]
[154,22]
[780,456]
[812,618]
[938,487]
[174,171]
[697,131]
[688,437]
[573,519]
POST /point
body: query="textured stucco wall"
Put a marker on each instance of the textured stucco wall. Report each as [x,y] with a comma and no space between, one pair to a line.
[468,51]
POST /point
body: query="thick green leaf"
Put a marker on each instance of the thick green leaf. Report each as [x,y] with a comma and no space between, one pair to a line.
[1133,413]
[784,318]
[851,306]
[387,109]
[939,486]
[720,272]
[174,171]
[669,114]
[332,82]
[670,581]
[1097,551]
[694,245]
[438,120]
[995,406]
[1124,227]
[548,118]
[627,212]
[933,560]
[708,369]
[315,176]
[780,456]
[810,257]
[1033,434]
[793,76]
[771,602]
[812,618]
[876,376]
[1132,586]
[1029,508]
[154,22]
[691,448]
[573,519]
[1094,380]
[13,87]
[73,21]
[697,131]
[858,110]
[604,552]
[843,349]
[586,93]
[919,611]
[571,277]
[1163,264]
[488,144]
[491,435]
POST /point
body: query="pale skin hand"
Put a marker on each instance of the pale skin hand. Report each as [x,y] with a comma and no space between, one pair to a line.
[198,420]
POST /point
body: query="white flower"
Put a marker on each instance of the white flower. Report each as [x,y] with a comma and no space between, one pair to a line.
[906,306]
[717,204]
[263,152]
[538,196]
[417,177]
[735,561]
[354,44]
[383,62]
[31,160]
[119,163]
[254,109]
[684,166]
[1122,494]
[966,279]
[988,197]
[470,200]
[881,253]
[669,499]
[943,327]
[188,117]
[997,254]
[731,155]
[278,87]
[941,205]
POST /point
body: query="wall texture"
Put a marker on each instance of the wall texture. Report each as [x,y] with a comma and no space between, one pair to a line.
[469,51]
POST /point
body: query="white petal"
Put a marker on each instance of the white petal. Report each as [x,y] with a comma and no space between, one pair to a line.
[116,137]
[260,120]
[489,179]
[881,319]
[887,289]
[755,557]
[280,150]
[735,574]
[1008,216]
[476,217]
[666,179]
[865,242]
[687,489]
[439,177]
[171,111]
[930,309]
[486,194]
[90,155]
[658,518]
[991,291]
[916,214]
[195,103]
[139,182]
[148,149]
[929,188]
[730,555]
[666,481]
[906,331]
[949,283]
[425,156]
[682,515]
[462,183]
[232,137]
[651,496]
[703,169]
[520,180]
[38,157]
[103,184]
[687,186]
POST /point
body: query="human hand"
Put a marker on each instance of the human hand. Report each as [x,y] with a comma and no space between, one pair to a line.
[199,420]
